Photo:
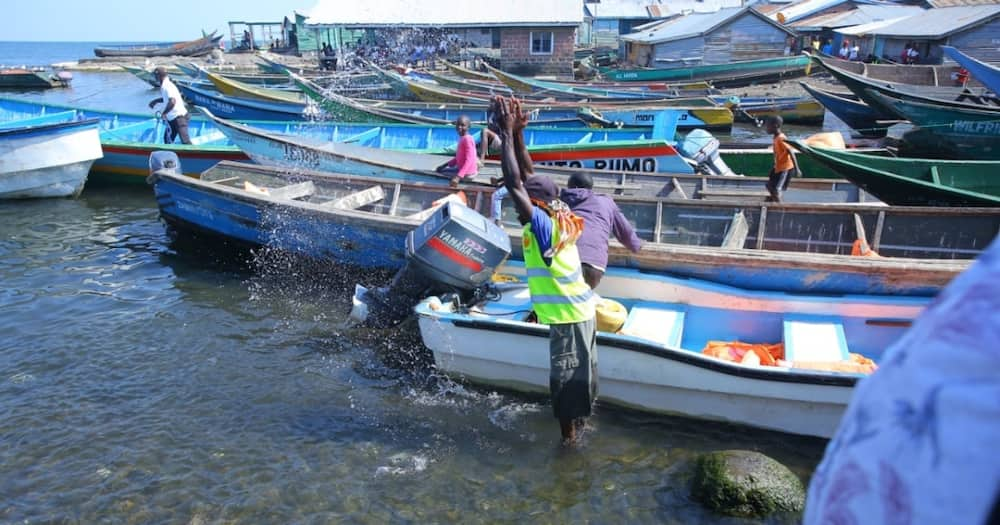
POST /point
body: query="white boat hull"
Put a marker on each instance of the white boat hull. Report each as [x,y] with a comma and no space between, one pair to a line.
[47,165]
[491,345]
[634,379]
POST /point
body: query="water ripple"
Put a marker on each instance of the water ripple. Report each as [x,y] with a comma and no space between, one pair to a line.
[143,382]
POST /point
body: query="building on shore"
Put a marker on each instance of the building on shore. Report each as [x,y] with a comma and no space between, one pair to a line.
[527,37]
[973,29]
[819,19]
[720,37]
[605,21]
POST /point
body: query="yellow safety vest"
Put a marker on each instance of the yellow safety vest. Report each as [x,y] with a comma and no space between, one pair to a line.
[559,295]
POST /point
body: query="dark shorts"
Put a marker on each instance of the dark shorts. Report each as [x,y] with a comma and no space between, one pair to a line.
[778,180]
[573,368]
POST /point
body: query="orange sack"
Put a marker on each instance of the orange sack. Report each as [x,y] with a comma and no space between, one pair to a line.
[735,351]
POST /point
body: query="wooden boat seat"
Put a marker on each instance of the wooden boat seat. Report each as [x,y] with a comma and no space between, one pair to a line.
[425,214]
[814,339]
[357,199]
[657,322]
[736,235]
[364,136]
[293,191]
[709,192]
[205,138]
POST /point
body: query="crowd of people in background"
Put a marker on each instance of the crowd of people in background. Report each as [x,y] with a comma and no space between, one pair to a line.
[411,48]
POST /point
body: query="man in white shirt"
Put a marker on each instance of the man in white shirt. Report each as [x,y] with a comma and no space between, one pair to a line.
[174,111]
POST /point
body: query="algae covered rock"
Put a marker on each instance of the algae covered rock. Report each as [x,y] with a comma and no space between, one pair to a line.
[746,484]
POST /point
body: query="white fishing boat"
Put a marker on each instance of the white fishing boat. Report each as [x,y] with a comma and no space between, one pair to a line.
[655,362]
[47,157]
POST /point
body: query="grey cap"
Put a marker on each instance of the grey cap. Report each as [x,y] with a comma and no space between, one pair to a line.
[541,187]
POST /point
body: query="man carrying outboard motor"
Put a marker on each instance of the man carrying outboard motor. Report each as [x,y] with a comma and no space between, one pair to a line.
[560,297]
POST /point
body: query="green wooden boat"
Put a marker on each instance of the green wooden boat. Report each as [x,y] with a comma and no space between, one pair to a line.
[914,182]
[957,97]
[952,132]
[733,74]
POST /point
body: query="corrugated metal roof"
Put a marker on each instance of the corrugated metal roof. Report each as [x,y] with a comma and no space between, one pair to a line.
[862,14]
[374,13]
[870,28]
[634,9]
[802,9]
[649,9]
[953,3]
[933,23]
[689,25]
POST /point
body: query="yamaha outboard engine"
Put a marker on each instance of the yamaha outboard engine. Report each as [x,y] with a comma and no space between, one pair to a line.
[163,160]
[456,250]
[701,148]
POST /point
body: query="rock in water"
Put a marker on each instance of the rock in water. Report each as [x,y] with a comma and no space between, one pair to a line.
[746,484]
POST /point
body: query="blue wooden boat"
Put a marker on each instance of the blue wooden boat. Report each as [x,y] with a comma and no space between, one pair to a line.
[363,220]
[247,109]
[988,74]
[861,117]
[621,175]
[129,138]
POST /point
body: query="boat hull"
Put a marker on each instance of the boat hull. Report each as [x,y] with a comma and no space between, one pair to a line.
[245,109]
[917,182]
[859,116]
[736,74]
[25,79]
[482,352]
[47,161]
[799,252]
[674,377]
[951,132]
[349,240]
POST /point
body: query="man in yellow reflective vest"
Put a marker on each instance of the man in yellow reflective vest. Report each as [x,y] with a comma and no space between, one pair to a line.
[560,297]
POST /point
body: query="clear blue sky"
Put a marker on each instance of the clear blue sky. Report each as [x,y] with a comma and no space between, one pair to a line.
[135,20]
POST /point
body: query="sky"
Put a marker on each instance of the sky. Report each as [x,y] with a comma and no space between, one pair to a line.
[135,20]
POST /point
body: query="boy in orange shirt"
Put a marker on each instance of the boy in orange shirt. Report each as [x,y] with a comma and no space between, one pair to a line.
[784,162]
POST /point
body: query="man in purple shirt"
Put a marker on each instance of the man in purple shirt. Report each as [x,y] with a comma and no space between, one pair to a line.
[601,218]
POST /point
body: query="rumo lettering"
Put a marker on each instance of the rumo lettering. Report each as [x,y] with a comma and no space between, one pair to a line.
[646,164]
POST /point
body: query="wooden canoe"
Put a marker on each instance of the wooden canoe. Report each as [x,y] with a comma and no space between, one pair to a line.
[785,247]
[915,182]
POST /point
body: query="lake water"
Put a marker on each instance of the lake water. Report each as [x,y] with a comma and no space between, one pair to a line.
[150,380]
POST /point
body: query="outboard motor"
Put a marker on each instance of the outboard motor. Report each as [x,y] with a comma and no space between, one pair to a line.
[456,250]
[701,148]
[163,160]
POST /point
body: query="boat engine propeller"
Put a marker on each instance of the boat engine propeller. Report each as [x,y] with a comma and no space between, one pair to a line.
[702,150]
[455,251]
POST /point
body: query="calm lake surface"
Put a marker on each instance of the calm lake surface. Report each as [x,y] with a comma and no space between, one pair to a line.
[150,380]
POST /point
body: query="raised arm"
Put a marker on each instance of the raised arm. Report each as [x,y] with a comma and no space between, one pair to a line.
[504,121]
[520,148]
